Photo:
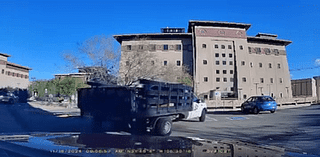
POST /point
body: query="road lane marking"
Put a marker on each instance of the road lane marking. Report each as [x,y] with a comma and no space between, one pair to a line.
[212,118]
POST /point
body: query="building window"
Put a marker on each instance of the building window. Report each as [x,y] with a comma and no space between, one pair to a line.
[270,65]
[225,79]
[178,63]
[231,79]
[218,79]
[140,47]
[205,97]
[250,49]
[261,80]
[276,51]
[224,62]
[241,47]
[165,47]
[217,71]
[128,47]
[165,62]
[244,96]
[223,55]
[205,62]
[230,55]
[230,63]
[216,46]
[258,50]
[251,64]
[2,71]
[217,62]
[223,47]
[21,76]
[271,80]
[127,63]
[152,47]
[260,65]
[205,79]
[13,74]
[224,71]
[217,54]
[281,95]
[279,66]
[231,71]
[178,47]
[280,80]
[152,62]
[243,63]
[229,47]
[9,73]
[244,79]
[26,76]
[204,46]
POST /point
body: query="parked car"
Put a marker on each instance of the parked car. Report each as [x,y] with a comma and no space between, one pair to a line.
[255,104]
[8,97]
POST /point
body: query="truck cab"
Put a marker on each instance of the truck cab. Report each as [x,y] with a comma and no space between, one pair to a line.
[199,110]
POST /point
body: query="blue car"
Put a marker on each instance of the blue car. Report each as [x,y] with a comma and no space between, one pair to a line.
[255,104]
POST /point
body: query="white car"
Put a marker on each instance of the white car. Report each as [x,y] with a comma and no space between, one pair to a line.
[199,110]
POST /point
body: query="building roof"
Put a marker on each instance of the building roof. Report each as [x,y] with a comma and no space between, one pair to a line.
[120,38]
[18,66]
[217,24]
[3,54]
[269,40]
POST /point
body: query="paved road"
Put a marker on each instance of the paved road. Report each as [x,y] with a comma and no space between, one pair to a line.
[294,129]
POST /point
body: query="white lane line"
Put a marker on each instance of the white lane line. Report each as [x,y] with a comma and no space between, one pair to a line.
[211,118]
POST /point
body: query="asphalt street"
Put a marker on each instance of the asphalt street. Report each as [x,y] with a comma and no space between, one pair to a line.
[296,129]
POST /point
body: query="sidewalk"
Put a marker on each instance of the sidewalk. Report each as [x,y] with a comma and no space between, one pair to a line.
[278,108]
[59,109]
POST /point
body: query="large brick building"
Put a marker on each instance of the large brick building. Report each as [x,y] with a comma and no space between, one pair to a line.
[221,57]
[13,75]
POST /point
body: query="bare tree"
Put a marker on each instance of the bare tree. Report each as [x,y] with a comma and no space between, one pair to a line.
[98,57]
[143,64]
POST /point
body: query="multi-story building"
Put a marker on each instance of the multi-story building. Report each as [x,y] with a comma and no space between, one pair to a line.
[13,75]
[223,60]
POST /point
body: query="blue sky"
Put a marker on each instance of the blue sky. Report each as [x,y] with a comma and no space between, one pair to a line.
[36,33]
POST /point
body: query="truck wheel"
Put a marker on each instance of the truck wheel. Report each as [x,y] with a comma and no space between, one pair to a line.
[163,127]
[203,116]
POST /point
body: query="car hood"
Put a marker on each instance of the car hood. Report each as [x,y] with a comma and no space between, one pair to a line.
[124,144]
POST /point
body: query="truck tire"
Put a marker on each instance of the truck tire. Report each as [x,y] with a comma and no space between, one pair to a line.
[203,116]
[163,127]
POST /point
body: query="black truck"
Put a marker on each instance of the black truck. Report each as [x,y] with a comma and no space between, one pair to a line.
[150,106]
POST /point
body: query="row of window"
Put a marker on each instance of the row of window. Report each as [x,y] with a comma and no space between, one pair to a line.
[218,79]
[267,51]
[216,46]
[14,74]
[244,79]
[224,72]
[261,65]
[154,47]
[223,55]
[178,63]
